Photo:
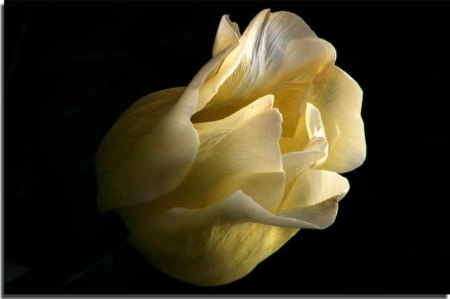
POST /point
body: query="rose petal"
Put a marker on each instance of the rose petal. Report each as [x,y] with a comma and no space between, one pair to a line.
[214,245]
[313,187]
[313,197]
[309,127]
[227,35]
[212,132]
[341,97]
[296,162]
[250,148]
[225,241]
[213,80]
[322,214]
[331,128]
[276,49]
[151,147]
[246,156]
[291,100]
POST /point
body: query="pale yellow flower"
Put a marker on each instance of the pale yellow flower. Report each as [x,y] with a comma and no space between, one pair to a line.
[213,178]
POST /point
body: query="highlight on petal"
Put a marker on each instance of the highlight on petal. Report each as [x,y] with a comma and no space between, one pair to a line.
[227,35]
[340,97]
[275,49]
[151,147]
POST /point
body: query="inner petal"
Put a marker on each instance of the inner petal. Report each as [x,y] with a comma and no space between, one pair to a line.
[313,187]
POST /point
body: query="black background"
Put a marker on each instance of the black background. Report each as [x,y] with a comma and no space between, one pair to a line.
[72,68]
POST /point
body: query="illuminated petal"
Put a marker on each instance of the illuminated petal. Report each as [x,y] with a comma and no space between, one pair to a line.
[227,35]
[331,128]
[291,100]
[314,187]
[224,241]
[275,49]
[214,245]
[341,97]
[212,132]
[151,147]
[296,162]
[249,149]
[309,127]
[321,215]
[247,158]
[214,79]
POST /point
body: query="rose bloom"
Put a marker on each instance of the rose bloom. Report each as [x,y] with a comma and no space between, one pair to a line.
[213,178]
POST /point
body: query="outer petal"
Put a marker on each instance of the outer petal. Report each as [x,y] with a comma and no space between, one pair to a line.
[214,245]
[151,147]
[224,241]
[340,97]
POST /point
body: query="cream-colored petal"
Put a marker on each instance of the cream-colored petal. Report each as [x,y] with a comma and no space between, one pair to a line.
[321,215]
[227,35]
[291,100]
[212,132]
[125,161]
[313,187]
[214,79]
[298,141]
[314,125]
[250,148]
[274,50]
[341,97]
[331,129]
[297,162]
[151,147]
[191,98]
[214,245]
[246,158]
[266,188]
[224,241]
[310,132]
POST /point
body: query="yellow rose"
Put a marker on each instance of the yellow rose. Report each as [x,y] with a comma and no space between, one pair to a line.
[213,178]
